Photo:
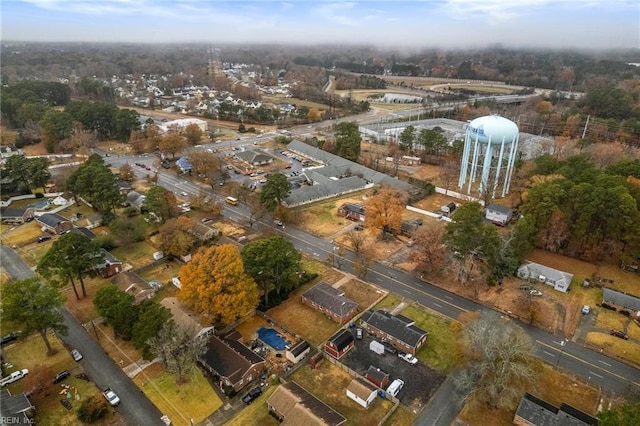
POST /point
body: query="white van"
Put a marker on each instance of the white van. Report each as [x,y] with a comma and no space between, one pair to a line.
[395,387]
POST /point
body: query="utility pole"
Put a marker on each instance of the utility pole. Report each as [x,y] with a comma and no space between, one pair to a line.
[584,132]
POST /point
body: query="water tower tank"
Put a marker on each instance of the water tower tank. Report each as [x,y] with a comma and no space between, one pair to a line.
[490,148]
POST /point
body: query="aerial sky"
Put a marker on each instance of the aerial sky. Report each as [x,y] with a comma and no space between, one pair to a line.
[599,24]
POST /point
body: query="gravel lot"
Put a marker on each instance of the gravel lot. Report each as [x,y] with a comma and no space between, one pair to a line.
[420,381]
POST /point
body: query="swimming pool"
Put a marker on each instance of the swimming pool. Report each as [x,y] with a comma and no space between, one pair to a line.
[272,338]
[39,205]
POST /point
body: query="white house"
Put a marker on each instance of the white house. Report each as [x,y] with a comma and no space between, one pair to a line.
[500,215]
[182,124]
[560,280]
[362,392]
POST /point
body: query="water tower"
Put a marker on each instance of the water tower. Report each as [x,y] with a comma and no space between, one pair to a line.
[491,145]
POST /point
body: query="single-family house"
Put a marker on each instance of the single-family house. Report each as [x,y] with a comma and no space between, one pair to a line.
[60,201]
[135,199]
[330,301]
[235,364]
[560,280]
[254,158]
[377,377]
[621,300]
[398,330]
[408,228]
[298,351]
[204,232]
[362,392]
[16,409]
[352,211]
[186,318]
[16,215]
[339,344]
[54,223]
[184,165]
[85,232]
[295,406]
[500,215]
[533,411]
[133,284]
[123,187]
[111,265]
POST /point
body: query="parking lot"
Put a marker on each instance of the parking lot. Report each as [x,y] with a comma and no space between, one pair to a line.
[420,381]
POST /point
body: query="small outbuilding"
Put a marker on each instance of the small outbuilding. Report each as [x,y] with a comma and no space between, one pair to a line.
[339,344]
[362,392]
[377,377]
[500,215]
[298,351]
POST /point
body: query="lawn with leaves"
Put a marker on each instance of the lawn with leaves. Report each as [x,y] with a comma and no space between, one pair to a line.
[256,414]
[192,400]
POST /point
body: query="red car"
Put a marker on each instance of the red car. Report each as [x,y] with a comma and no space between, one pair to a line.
[620,334]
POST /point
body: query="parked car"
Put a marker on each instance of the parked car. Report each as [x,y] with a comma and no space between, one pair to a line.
[278,223]
[184,194]
[586,309]
[43,238]
[77,356]
[61,376]
[395,387]
[252,395]
[409,358]
[111,396]
[535,292]
[620,334]
[358,227]
[13,377]
[8,338]
[359,333]
[388,347]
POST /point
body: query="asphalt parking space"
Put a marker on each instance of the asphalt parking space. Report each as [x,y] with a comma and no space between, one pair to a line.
[420,381]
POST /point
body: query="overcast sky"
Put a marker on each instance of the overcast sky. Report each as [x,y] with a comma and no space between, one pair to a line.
[444,23]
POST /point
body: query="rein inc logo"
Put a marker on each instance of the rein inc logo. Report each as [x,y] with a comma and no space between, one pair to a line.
[478,130]
[11,420]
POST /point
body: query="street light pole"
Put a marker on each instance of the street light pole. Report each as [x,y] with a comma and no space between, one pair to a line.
[562,345]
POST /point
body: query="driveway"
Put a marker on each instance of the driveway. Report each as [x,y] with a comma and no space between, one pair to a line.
[135,407]
[420,381]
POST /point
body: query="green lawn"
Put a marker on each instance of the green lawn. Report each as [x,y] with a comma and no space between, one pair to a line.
[256,414]
[389,302]
[437,353]
[30,353]
[193,400]
[137,254]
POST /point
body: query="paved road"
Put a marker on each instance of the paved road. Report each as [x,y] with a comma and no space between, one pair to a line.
[134,407]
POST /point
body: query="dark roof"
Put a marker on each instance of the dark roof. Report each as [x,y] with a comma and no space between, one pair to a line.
[623,299]
[342,339]
[229,358]
[376,373]
[109,259]
[304,401]
[14,405]
[500,209]
[299,348]
[408,227]
[84,231]
[13,212]
[251,156]
[398,326]
[355,208]
[123,185]
[541,413]
[51,219]
[330,298]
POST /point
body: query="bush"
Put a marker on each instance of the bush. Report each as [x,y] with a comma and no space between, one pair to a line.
[39,195]
[92,409]
[625,313]
[230,391]
[106,241]
[607,306]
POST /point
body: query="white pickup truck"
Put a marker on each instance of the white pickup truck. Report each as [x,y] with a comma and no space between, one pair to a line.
[111,397]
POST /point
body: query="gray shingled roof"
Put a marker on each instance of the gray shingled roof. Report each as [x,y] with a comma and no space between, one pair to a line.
[398,326]
[541,413]
[622,299]
[51,219]
[500,209]
[331,299]
[337,188]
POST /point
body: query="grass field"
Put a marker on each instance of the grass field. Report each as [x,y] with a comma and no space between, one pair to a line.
[551,385]
[22,235]
[438,352]
[303,320]
[329,383]
[362,293]
[256,414]
[193,400]
[321,219]
[389,302]
[31,354]
[614,346]
[137,254]
[298,102]
[403,416]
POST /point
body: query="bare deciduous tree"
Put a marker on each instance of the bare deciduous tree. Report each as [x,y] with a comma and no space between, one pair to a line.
[177,349]
[501,364]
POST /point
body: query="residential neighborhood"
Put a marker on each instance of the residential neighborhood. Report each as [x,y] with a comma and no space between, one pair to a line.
[240,234]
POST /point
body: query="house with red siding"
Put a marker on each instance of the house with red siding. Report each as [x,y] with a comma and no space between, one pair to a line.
[339,344]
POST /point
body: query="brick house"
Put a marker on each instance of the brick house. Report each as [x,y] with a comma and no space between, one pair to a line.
[111,265]
[294,405]
[330,301]
[233,362]
[398,330]
[54,223]
[16,215]
[339,344]
[533,411]
[353,212]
